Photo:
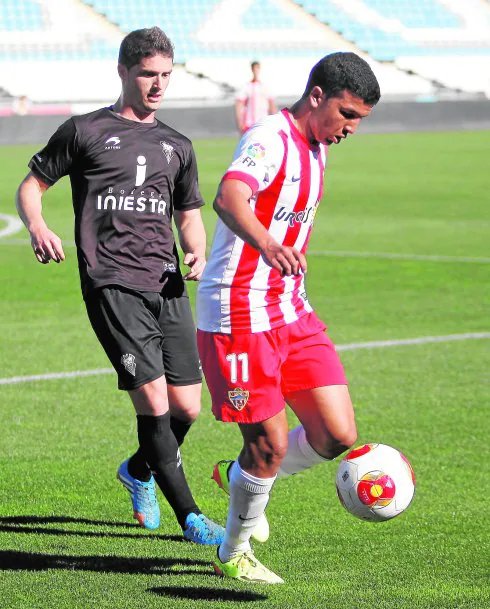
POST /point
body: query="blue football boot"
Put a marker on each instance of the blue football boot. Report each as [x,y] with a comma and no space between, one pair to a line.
[143,496]
[200,529]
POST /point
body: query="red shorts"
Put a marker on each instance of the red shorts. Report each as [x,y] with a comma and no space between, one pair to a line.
[248,375]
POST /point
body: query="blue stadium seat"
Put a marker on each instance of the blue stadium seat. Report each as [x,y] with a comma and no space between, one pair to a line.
[182,19]
[420,14]
[387,46]
[179,23]
[20,17]
[264,14]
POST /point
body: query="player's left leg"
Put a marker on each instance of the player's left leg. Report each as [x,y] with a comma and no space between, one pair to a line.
[180,359]
[327,427]
[185,406]
[315,387]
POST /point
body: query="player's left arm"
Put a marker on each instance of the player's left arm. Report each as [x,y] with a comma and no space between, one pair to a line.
[192,239]
[187,216]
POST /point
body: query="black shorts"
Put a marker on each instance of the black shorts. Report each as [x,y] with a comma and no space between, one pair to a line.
[146,334]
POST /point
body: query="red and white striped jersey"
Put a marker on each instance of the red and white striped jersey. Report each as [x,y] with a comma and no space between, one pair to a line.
[256,102]
[239,292]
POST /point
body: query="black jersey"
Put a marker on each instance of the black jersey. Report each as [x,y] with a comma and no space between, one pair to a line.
[126,178]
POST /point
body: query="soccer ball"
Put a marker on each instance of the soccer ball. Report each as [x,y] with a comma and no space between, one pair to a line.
[375,482]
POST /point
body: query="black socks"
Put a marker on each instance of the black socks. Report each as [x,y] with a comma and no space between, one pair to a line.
[180,429]
[160,450]
[138,468]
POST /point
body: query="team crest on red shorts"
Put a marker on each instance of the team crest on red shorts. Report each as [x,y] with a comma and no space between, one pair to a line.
[238,398]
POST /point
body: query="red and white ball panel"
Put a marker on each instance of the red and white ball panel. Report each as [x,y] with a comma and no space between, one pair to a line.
[375,482]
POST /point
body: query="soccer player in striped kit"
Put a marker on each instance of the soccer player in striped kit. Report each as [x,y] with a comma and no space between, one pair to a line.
[253,102]
[260,342]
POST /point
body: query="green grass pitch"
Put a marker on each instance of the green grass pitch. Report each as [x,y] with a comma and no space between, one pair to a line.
[67,539]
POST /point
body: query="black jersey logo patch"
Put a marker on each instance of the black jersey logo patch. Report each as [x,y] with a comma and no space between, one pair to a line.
[168,151]
[112,143]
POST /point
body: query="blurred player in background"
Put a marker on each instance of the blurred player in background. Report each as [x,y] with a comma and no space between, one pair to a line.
[261,344]
[253,102]
[130,174]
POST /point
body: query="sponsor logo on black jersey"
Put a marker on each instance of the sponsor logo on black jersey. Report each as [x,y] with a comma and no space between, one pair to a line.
[139,202]
[112,143]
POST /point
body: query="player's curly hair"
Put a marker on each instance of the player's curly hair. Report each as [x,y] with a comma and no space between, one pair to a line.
[338,72]
[147,42]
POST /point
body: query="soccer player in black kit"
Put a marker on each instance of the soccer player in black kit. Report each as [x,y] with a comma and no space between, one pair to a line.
[130,175]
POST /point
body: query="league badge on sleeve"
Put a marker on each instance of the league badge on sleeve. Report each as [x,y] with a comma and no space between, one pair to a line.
[252,155]
[256,151]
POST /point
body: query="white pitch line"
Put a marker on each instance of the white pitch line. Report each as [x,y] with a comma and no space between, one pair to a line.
[339,254]
[424,340]
[14,225]
[395,256]
[381,344]
[53,376]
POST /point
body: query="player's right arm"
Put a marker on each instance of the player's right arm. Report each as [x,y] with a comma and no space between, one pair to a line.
[232,204]
[257,160]
[47,167]
[240,114]
[46,244]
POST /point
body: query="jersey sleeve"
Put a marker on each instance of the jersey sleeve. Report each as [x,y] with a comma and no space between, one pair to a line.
[186,192]
[58,156]
[258,158]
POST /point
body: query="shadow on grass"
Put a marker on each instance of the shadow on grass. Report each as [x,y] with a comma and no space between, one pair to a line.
[17,524]
[65,519]
[209,594]
[17,561]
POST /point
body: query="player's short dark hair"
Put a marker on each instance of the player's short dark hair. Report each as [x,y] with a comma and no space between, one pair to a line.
[147,42]
[255,63]
[338,72]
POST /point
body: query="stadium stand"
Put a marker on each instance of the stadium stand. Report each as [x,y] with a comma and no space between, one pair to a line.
[432,38]
[418,48]
[25,17]
[421,14]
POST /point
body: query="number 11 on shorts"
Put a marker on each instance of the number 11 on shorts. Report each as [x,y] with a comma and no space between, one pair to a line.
[235,360]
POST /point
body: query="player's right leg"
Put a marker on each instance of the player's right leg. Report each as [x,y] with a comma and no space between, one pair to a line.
[143,497]
[162,454]
[251,480]
[243,377]
[221,473]
[246,567]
